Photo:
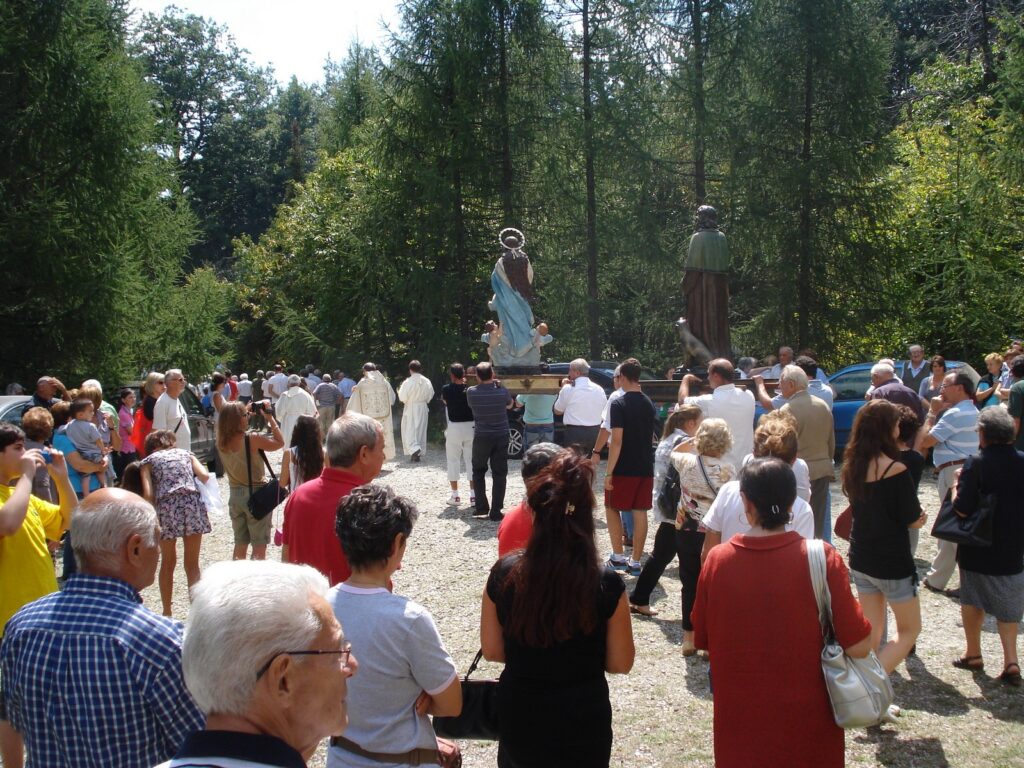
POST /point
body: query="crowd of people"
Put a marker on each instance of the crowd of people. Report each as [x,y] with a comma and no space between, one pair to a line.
[276,657]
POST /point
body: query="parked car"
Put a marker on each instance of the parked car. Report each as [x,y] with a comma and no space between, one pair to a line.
[851,383]
[12,407]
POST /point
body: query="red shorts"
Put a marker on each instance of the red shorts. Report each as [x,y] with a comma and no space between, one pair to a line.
[629,493]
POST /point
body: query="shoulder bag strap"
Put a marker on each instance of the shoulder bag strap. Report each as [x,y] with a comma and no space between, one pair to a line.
[700,463]
[248,462]
[266,461]
[819,581]
[473,666]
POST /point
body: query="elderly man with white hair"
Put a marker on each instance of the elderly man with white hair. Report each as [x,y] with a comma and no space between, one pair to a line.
[267,661]
[90,676]
[816,440]
[581,404]
[169,413]
[885,386]
[294,402]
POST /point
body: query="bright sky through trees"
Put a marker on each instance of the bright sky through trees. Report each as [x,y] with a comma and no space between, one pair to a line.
[294,37]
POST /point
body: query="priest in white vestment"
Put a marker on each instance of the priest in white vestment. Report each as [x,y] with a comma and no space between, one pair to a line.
[373,396]
[415,393]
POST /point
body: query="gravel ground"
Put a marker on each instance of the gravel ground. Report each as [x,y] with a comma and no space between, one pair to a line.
[662,711]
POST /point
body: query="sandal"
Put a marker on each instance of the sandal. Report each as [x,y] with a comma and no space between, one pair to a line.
[972,663]
[1011,678]
[643,610]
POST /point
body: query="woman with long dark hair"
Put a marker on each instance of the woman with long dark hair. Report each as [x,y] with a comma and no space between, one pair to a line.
[885,507]
[559,620]
[304,459]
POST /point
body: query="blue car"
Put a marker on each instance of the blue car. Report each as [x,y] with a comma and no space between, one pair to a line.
[851,383]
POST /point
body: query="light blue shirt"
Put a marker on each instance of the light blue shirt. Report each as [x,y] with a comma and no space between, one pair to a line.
[956,432]
[346,385]
[815,389]
[538,408]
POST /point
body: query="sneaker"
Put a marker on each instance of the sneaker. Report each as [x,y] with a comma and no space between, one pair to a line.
[618,565]
[453,499]
[633,568]
[472,498]
[497,518]
[481,512]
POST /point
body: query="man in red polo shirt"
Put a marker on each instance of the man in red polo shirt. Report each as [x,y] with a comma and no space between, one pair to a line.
[355,454]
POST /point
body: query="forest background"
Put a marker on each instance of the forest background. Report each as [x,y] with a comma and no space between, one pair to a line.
[164,202]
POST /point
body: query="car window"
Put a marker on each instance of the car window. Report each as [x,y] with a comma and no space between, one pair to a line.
[852,385]
[13,414]
[191,404]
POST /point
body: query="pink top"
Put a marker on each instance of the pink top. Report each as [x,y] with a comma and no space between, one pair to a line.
[124,428]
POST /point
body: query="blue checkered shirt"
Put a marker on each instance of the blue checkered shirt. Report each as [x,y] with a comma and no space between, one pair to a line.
[92,678]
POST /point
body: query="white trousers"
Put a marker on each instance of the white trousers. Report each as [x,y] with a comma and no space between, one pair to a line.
[945,560]
[458,447]
[414,428]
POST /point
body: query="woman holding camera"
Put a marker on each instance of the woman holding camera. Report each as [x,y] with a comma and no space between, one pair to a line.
[233,437]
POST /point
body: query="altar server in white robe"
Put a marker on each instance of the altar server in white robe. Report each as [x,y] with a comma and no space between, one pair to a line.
[373,396]
[415,393]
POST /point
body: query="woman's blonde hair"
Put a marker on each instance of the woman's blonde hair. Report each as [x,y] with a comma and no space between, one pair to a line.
[776,437]
[94,394]
[231,423]
[713,438]
[993,357]
[151,381]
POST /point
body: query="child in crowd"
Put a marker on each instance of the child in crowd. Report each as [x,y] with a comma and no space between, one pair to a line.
[86,438]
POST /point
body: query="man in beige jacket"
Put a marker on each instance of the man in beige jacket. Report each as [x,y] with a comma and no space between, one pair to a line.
[816,440]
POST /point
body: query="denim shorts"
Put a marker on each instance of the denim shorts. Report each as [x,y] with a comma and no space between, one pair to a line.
[894,590]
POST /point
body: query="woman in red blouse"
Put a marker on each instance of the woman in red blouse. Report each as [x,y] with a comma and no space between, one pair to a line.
[757,617]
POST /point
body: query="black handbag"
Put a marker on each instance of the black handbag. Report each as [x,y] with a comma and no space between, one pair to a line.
[265,499]
[479,717]
[975,530]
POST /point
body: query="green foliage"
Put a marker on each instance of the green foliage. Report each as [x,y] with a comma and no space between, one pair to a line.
[236,142]
[90,225]
[957,216]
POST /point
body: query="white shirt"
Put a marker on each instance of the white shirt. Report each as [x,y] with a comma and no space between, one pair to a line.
[416,389]
[169,413]
[276,386]
[736,406]
[803,477]
[581,403]
[606,414]
[726,514]
[293,403]
[245,388]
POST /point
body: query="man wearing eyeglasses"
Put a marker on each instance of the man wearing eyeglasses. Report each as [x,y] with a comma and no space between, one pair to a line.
[267,662]
[951,429]
[169,413]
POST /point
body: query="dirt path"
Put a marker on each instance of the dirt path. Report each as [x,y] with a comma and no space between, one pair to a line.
[662,711]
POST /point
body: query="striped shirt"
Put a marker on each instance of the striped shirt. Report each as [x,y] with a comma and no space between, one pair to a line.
[93,678]
[956,432]
[489,402]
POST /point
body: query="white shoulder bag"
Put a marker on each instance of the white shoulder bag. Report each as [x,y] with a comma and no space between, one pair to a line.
[859,689]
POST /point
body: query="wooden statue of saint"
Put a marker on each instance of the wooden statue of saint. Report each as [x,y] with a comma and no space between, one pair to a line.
[706,284]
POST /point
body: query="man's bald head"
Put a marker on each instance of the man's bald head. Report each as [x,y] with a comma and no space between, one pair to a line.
[113,532]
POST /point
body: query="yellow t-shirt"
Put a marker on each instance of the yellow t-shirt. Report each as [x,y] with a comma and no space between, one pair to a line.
[26,570]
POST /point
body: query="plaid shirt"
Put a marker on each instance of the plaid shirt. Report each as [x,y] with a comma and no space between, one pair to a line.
[92,678]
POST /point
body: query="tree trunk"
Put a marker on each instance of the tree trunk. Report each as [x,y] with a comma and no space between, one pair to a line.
[806,195]
[506,142]
[593,308]
[700,115]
